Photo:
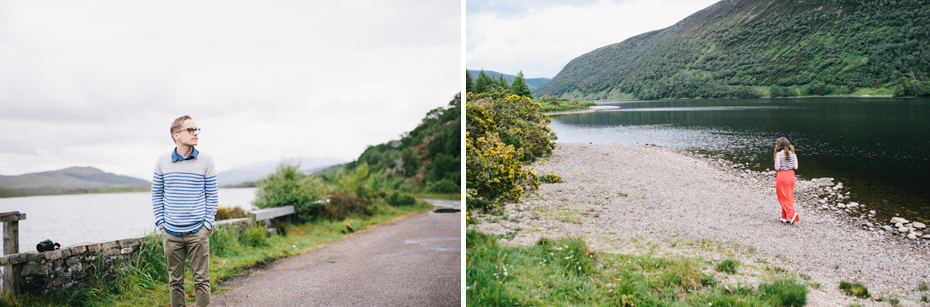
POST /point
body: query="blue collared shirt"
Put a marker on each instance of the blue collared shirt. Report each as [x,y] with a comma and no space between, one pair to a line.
[175,157]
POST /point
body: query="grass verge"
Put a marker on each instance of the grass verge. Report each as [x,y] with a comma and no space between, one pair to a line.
[566,272]
[146,282]
[559,106]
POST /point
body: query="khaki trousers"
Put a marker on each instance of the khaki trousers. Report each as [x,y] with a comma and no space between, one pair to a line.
[177,249]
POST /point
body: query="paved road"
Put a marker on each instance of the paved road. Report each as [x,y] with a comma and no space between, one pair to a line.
[412,262]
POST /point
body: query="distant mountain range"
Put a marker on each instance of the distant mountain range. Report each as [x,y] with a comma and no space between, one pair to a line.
[69,179]
[257,171]
[534,83]
[85,179]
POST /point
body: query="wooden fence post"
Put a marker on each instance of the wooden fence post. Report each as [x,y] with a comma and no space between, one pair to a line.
[11,272]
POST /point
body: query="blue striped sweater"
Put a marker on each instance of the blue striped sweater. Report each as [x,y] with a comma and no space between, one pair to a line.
[184,193]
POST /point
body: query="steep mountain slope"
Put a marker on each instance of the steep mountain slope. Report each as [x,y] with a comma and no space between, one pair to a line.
[737,47]
[69,179]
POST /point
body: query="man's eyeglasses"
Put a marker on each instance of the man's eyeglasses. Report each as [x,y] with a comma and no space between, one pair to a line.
[191,130]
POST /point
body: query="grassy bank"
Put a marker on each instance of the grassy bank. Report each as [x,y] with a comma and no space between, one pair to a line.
[566,272]
[455,196]
[555,105]
[145,284]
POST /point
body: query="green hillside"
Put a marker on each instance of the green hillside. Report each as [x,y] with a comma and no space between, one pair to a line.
[743,48]
[425,159]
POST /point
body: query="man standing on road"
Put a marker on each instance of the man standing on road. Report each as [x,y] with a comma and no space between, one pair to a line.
[184,200]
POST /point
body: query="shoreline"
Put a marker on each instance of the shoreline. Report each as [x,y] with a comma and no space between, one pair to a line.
[634,199]
[590,109]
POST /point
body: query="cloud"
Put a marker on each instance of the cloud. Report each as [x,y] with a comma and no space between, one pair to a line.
[545,37]
[97,83]
[519,8]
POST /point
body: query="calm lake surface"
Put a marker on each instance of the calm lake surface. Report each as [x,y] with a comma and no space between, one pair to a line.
[87,218]
[877,147]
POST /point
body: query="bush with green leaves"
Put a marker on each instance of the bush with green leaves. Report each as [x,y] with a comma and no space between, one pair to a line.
[359,182]
[444,186]
[342,205]
[398,200]
[518,121]
[502,133]
[288,186]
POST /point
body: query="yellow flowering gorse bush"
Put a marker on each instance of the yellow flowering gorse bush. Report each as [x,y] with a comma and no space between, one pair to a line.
[501,134]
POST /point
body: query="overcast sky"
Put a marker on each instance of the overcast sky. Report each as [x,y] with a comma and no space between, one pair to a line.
[97,83]
[540,36]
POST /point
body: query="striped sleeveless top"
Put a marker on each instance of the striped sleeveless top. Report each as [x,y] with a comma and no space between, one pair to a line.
[786,163]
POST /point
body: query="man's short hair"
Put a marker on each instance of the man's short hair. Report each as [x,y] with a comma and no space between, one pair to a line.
[177,125]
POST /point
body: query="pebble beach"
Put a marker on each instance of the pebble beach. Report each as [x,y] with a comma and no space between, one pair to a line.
[638,199]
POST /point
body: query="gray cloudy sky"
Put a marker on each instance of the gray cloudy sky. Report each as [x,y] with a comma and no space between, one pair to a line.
[97,83]
[540,37]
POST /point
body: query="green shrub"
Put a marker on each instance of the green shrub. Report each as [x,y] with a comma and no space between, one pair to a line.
[444,186]
[359,182]
[398,200]
[728,266]
[446,167]
[224,242]
[288,186]
[341,205]
[255,236]
[923,286]
[854,289]
[550,178]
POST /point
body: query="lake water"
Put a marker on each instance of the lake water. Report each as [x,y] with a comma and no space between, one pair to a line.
[87,218]
[877,147]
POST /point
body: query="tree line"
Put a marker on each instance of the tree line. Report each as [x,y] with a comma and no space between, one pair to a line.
[484,83]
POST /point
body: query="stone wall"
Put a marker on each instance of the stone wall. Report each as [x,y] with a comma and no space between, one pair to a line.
[73,266]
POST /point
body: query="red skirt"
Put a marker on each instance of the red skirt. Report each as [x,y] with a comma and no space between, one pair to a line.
[784,187]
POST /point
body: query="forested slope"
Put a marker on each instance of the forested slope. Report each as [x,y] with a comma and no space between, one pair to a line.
[746,48]
[427,158]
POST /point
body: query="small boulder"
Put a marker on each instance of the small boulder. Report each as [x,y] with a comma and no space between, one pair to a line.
[919,225]
[912,236]
[824,182]
[853,205]
[903,229]
[841,206]
[887,228]
[896,220]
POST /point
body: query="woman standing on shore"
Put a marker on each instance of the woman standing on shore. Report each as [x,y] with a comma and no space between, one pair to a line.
[785,163]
